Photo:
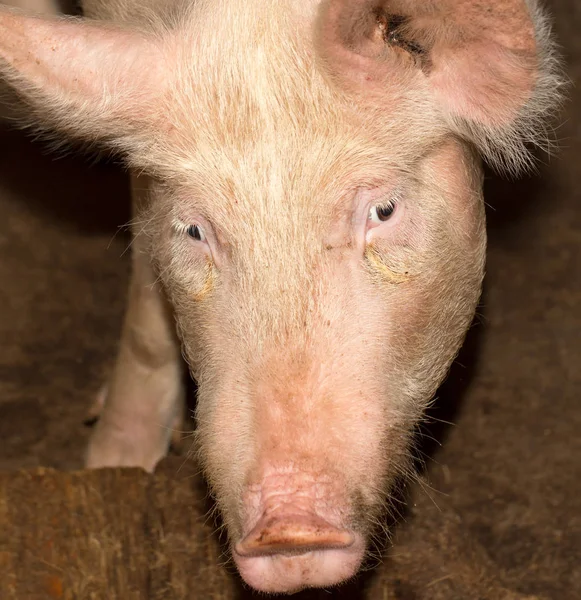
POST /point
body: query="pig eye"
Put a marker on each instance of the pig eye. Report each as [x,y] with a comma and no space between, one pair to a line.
[380,213]
[196,232]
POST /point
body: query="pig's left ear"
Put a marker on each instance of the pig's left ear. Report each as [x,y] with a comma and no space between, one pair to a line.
[94,82]
[489,65]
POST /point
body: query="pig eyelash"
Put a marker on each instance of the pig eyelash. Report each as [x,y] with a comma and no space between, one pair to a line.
[385,209]
[379,213]
[192,230]
[391,30]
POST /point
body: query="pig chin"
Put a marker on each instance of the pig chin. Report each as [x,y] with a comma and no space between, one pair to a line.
[296,535]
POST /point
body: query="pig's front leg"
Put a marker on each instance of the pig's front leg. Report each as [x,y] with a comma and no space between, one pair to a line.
[144,401]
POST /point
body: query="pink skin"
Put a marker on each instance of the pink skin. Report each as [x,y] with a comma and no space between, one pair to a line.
[295,536]
[270,136]
[302,442]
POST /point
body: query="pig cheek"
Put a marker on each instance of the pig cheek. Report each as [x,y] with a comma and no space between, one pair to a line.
[436,316]
[191,281]
[217,360]
[428,314]
[225,449]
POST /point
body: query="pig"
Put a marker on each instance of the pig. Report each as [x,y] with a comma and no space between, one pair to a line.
[9,104]
[310,234]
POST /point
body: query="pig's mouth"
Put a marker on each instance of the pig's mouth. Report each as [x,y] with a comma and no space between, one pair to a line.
[283,568]
[289,550]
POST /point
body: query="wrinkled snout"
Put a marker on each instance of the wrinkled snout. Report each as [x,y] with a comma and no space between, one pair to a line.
[297,541]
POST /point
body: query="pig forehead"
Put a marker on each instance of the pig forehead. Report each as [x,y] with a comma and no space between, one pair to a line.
[281,189]
[249,91]
[271,144]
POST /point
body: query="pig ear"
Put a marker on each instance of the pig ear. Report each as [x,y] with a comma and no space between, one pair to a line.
[489,66]
[92,81]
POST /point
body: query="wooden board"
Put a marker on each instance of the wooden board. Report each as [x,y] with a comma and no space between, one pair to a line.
[123,534]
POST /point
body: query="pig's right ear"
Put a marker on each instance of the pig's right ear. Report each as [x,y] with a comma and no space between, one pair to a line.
[94,82]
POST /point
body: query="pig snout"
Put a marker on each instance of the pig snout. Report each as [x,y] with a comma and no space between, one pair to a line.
[286,553]
[296,538]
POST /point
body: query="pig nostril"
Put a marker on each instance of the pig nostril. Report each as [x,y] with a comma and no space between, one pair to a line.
[292,535]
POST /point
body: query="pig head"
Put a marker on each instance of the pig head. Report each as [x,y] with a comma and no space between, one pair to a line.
[316,218]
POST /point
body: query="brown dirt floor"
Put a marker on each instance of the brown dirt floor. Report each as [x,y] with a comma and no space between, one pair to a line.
[499,513]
